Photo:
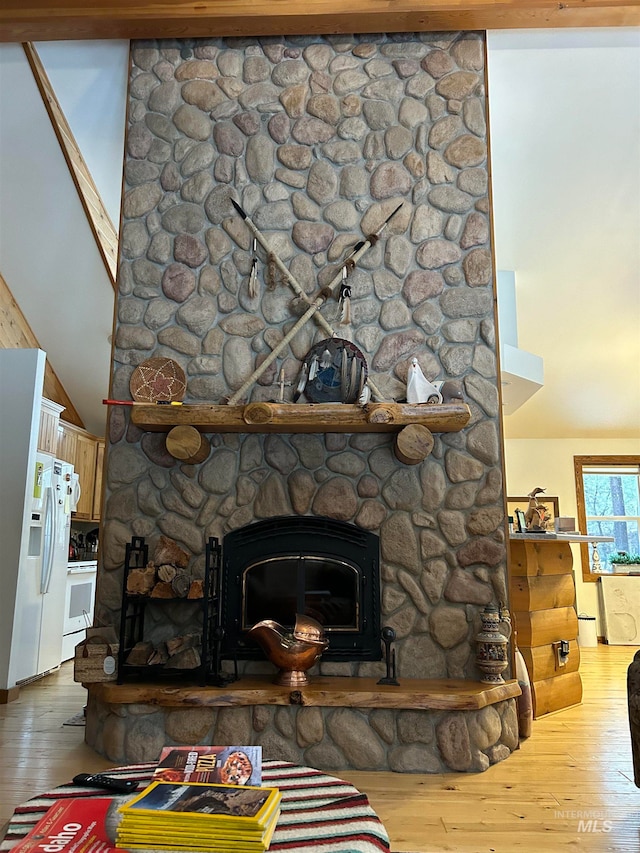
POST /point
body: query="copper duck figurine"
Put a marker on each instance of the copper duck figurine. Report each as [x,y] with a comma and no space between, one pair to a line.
[293,652]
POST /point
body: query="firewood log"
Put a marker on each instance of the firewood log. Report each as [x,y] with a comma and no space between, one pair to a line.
[168,551]
[187,659]
[140,654]
[167,572]
[196,589]
[180,584]
[179,644]
[141,581]
[159,655]
[163,590]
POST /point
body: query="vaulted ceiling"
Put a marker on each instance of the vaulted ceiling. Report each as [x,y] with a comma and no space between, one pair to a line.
[49,257]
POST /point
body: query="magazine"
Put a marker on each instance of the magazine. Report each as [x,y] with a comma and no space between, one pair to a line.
[196,805]
[230,765]
[78,824]
[199,816]
[212,842]
[211,846]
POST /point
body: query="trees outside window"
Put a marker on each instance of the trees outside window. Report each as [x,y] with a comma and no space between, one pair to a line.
[608,495]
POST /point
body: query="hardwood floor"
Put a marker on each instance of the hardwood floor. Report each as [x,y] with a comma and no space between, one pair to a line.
[569,787]
[38,751]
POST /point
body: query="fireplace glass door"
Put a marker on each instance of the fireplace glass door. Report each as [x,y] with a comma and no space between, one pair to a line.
[318,567]
[324,588]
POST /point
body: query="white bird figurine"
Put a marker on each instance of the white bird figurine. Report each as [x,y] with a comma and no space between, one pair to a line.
[419,389]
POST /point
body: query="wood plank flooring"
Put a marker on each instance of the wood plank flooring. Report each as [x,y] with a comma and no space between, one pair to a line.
[568,788]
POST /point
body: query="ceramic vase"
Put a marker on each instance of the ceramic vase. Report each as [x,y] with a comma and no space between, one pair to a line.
[492,646]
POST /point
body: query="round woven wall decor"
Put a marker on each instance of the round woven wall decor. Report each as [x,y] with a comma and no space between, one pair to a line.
[157,379]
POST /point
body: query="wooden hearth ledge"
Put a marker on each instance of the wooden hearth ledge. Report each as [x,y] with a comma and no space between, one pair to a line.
[445,694]
[309,417]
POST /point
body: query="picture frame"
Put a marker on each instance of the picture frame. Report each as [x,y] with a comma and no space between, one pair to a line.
[521,503]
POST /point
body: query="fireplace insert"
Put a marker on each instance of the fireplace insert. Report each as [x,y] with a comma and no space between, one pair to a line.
[317,566]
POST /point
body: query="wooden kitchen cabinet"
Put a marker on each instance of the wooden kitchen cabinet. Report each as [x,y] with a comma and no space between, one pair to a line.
[48,431]
[97,487]
[85,467]
[67,443]
[86,453]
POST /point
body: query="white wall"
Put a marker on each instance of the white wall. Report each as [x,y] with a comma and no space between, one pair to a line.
[549,464]
[48,255]
[564,109]
[90,82]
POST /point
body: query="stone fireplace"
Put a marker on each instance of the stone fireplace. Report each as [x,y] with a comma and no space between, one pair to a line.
[319,138]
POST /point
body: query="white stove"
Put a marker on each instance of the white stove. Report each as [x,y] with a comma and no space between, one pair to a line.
[79,604]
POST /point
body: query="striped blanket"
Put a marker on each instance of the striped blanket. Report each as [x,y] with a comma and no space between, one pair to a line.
[320,813]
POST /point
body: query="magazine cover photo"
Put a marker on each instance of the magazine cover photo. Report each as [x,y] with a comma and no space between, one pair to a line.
[229,765]
[200,799]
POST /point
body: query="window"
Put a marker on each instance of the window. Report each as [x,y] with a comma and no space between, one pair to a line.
[608,492]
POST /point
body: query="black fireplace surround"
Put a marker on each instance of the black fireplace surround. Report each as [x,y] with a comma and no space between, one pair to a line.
[317,566]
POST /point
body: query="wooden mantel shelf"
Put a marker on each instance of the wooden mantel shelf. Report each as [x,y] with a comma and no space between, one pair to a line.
[446,694]
[308,418]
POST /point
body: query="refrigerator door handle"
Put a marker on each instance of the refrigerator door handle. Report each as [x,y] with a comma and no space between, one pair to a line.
[77,492]
[48,546]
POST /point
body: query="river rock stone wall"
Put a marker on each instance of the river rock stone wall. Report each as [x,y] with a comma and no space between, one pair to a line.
[319,138]
[330,739]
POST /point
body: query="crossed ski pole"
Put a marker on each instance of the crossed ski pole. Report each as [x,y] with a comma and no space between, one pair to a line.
[314,303]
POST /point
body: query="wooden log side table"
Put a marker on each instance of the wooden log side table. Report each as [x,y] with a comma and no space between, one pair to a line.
[542,598]
[317,809]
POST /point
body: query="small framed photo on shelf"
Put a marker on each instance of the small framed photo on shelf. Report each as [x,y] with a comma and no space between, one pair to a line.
[520,522]
[517,507]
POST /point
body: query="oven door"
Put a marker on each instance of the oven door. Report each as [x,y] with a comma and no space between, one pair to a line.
[80,598]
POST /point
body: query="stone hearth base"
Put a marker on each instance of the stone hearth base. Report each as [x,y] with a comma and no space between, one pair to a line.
[422,726]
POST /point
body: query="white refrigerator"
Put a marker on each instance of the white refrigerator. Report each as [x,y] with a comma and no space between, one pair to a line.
[35,513]
[42,576]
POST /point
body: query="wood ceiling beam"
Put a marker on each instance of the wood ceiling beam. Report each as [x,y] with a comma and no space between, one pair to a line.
[44,20]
